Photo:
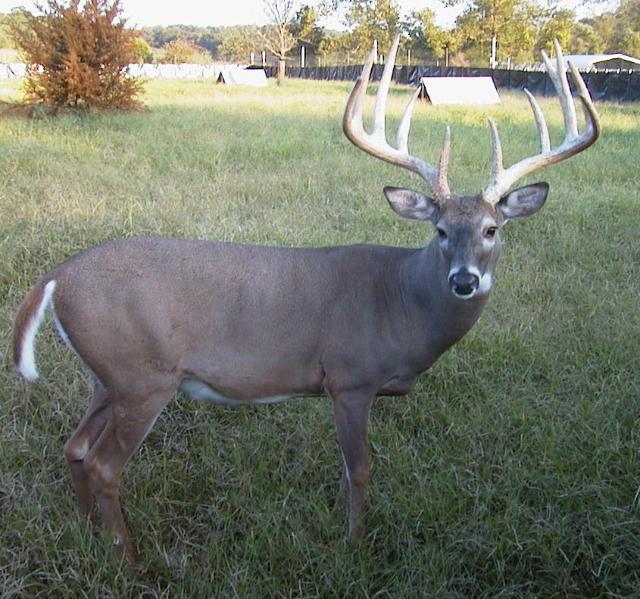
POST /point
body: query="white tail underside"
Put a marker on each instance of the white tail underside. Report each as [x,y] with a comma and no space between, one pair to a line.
[27,365]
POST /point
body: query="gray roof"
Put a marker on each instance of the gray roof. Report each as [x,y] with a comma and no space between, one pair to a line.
[586,62]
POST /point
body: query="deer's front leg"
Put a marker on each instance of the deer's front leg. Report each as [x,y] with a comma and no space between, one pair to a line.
[351,411]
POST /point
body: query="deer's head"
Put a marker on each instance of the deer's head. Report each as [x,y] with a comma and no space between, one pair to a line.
[467,227]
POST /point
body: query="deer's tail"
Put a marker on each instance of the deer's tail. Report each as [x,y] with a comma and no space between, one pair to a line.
[28,321]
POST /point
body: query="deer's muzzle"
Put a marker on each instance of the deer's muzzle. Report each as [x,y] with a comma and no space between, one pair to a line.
[464,283]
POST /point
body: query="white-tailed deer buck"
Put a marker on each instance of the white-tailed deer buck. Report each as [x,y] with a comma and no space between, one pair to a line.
[233,324]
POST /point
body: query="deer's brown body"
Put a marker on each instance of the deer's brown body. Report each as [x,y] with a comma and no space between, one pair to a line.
[214,312]
[236,323]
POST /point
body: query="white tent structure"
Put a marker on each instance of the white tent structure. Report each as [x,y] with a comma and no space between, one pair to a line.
[459,90]
[14,70]
[603,62]
[240,76]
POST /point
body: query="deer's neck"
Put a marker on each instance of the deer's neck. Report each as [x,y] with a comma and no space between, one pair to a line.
[435,313]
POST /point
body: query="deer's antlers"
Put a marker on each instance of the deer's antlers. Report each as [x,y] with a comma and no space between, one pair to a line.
[501,179]
[375,143]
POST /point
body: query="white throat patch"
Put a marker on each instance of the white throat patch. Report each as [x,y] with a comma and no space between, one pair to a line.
[486,282]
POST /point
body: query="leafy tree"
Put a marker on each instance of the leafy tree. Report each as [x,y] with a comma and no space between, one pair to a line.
[511,22]
[558,24]
[371,20]
[278,36]
[604,26]
[78,55]
[629,13]
[158,35]
[585,40]
[307,32]
[424,34]
[5,35]
[625,40]
[619,30]
[418,30]
[339,48]
[143,52]
[181,51]
[205,37]
[209,38]
[238,43]
[625,36]
[367,21]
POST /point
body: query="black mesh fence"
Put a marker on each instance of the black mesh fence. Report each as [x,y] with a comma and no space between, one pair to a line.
[621,86]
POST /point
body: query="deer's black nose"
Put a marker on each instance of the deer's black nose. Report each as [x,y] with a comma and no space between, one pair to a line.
[463,283]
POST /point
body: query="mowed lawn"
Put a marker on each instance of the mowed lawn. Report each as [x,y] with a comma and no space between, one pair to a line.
[512,470]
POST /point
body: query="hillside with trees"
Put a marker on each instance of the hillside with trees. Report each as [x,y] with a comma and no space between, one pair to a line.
[521,28]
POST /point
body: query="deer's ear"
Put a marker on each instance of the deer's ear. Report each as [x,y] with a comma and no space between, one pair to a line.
[524,201]
[411,204]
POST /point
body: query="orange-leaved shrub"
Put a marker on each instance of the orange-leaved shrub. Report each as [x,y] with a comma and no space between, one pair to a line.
[77,55]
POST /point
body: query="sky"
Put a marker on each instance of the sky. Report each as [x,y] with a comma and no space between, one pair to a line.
[234,12]
[221,12]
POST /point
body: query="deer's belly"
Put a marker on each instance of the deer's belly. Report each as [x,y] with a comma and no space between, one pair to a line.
[199,391]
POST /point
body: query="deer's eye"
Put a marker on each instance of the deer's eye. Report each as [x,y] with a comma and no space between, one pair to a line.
[441,233]
[490,233]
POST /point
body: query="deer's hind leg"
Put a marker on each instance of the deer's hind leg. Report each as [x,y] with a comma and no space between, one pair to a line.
[79,444]
[132,415]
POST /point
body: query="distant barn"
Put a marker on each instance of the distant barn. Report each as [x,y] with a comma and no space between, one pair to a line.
[603,62]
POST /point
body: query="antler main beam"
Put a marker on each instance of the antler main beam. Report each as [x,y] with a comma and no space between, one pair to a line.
[502,179]
[375,143]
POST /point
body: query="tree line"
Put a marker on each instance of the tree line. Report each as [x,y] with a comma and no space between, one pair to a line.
[516,30]
[511,32]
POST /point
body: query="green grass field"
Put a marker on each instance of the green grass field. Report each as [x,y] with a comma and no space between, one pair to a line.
[513,469]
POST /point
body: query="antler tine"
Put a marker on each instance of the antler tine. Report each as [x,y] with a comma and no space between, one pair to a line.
[442,190]
[541,123]
[355,104]
[402,137]
[383,92]
[375,143]
[496,147]
[574,142]
[558,76]
[590,113]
